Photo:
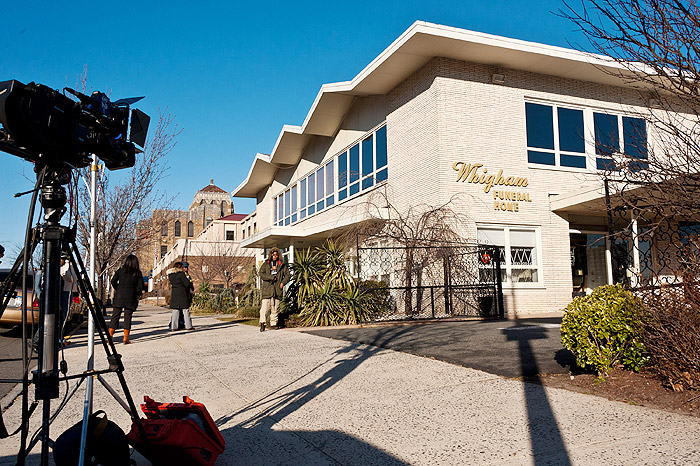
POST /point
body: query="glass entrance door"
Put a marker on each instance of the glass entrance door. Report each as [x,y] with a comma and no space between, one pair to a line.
[587,262]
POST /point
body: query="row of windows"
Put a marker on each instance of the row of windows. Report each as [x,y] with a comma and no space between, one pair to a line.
[178,228]
[558,136]
[347,174]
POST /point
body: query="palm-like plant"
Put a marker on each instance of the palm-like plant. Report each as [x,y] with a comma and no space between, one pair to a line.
[307,271]
[324,308]
[326,294]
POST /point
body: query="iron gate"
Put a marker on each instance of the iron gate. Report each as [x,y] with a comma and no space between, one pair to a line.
[426,282]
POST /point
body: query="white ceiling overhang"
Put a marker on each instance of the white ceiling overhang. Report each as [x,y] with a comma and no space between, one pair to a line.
[414,48]
[260,176]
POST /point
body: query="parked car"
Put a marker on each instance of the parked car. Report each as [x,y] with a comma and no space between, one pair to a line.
[13,312]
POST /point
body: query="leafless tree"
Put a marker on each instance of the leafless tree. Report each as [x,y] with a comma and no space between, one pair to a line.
[220,262]
[427,235]
[125,199]
[655,45]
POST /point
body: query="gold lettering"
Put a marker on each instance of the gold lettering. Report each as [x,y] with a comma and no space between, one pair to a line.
[499,178]
[472,173]
[521,182]
[509,181]
[482,177]
[489,183]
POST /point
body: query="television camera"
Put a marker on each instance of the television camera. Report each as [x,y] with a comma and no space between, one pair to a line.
[46,127]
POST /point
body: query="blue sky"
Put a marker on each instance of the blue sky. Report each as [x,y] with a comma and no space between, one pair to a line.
[232,73]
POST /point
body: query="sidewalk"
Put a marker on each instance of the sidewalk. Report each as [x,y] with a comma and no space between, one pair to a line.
[292,398]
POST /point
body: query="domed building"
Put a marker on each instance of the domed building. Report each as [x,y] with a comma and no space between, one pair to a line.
[186,234]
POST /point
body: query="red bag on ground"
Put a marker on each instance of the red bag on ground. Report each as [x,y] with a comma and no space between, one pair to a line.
[178,433]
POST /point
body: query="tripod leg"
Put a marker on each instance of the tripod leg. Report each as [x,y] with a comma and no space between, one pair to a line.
[95,308]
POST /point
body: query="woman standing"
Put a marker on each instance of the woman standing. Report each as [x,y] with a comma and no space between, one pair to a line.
[128,285]
[180,296]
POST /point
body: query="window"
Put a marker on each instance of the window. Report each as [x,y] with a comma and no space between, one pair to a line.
[230,235]
[607,139]
[557,136]
[163,251]
[178,228]
[164,230]
[367,162]
[280,210]
[380,138]
[330,185]
[190,229]
[287,207]
[319,189]
[518,250]
[311,193]
[358,168]
[207,221]
[302,199]
[342,176]
[354,169]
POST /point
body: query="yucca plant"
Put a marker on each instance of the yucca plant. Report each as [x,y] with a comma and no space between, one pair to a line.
[307,272]
[323,307]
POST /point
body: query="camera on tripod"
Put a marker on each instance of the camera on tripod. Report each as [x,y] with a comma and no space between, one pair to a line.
[58,133]
[45,126]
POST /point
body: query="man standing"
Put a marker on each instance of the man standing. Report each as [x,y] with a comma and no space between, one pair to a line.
[274,275]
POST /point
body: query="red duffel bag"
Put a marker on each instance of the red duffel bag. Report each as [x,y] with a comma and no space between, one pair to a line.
[177,433]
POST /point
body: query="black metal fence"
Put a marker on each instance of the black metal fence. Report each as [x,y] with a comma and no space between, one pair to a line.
[426,282]
[651,245]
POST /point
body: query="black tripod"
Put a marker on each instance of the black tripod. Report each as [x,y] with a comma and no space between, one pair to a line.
[57,239]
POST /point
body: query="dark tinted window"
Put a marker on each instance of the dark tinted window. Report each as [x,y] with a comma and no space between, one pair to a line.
[540,126]
[635,134]
[571,135]
[607,137]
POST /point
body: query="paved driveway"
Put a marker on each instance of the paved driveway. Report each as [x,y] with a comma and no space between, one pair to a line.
[510,348]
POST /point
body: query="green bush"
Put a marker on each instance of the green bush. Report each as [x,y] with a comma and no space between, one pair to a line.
[376,301]
[604,329]
[201,301]
[224,302]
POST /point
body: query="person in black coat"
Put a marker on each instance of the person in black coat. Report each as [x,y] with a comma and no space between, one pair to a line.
[128,285]
[181,294]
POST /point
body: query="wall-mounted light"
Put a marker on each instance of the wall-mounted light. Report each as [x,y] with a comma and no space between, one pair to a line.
[498,78]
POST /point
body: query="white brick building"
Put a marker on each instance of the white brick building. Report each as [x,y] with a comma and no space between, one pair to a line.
[429,120]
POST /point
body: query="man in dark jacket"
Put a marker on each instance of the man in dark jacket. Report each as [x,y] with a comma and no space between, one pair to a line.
[180,296]
[273,276]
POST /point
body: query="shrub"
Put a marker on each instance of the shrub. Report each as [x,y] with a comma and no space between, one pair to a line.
[201,299]
[375,299]
[224,302]
[673,334]
[606,329]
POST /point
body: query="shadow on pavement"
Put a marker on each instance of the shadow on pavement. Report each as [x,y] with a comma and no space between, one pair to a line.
[302,447]
[522,349]
[548,446]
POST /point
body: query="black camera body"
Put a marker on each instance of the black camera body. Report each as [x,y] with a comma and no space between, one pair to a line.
[45,126]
